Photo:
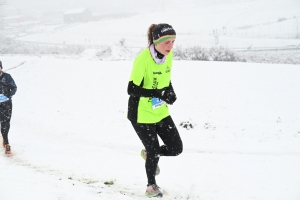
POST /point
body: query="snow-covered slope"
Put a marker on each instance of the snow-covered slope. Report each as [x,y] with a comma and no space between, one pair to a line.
[71,138]
[238,24]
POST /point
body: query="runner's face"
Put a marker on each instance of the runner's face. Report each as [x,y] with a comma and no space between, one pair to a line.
[166,46]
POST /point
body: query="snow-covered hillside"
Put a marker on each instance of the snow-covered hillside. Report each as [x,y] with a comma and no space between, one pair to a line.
[239,24]
[71,138]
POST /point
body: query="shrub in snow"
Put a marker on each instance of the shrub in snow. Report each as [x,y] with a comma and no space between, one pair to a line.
[116,52]
[122,41]
[179,53]
[198,53]
[224,54]
[109,182]
[103,52]
[280,57]
[212,54]
[187,125]
[120,52]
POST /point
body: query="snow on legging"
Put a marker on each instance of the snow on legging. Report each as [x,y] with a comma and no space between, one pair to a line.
[5,116]
[168,133]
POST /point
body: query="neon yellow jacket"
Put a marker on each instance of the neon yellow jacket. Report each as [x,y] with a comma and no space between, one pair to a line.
[148,75]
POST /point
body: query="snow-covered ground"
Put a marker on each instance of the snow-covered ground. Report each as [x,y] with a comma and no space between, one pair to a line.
[70,136]
[71,139]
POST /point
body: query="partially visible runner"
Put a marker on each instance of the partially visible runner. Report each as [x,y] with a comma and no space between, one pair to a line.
[7,89]
[151,92]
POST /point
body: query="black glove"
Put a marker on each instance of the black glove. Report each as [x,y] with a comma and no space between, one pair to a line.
[166,94]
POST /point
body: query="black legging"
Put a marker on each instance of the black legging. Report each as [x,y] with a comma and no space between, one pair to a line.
[169,134]
[5,116]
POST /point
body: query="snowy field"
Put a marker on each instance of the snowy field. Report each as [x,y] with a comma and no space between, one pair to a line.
[70,136]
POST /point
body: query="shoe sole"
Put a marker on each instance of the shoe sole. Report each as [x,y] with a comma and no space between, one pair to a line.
[159,195]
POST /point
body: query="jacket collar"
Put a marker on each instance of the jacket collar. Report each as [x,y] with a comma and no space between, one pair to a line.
[155,57]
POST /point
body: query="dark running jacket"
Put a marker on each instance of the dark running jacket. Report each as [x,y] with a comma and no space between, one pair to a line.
[8,86]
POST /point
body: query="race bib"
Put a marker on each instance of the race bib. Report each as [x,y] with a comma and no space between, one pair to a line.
[3,98]
[156,103]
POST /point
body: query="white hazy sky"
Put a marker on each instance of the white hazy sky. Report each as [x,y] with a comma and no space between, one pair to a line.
[121,6]
[111,6]
[95,6]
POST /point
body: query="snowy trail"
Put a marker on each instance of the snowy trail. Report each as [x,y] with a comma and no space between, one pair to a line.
[260,169]
[75,184]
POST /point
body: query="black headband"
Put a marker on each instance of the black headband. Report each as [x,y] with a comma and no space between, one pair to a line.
[162,32]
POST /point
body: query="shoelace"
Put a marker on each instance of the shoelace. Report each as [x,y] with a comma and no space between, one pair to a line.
[155,187]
